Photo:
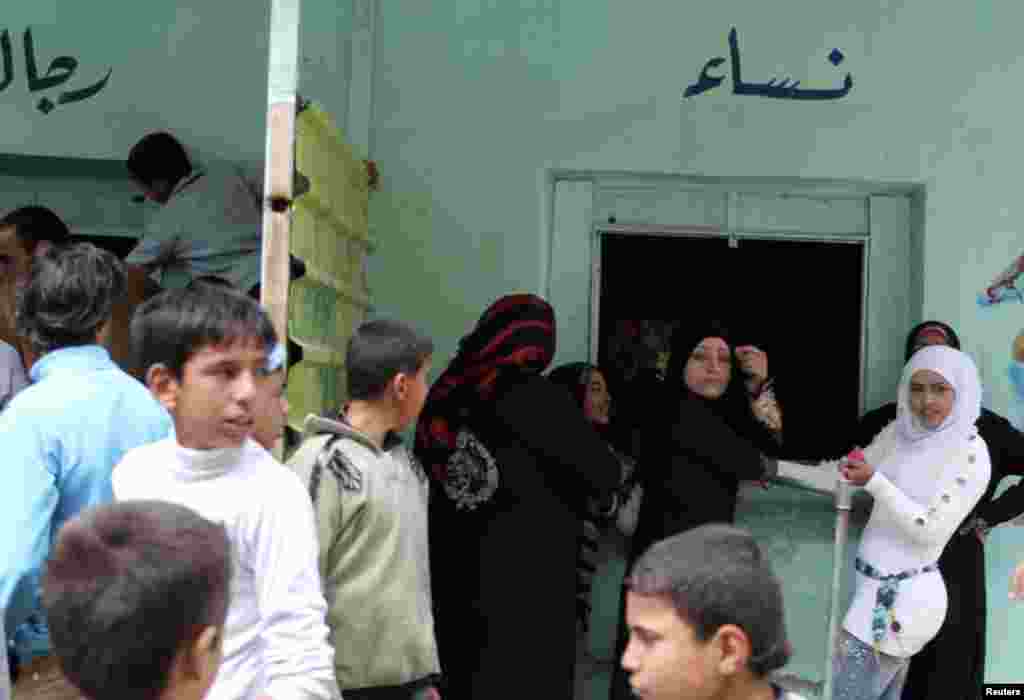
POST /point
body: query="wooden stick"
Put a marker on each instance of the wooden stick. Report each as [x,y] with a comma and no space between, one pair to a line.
[277,214]
[279,166]
[282,84]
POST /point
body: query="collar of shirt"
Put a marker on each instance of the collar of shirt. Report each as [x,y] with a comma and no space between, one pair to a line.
[194,176]
[79,358]
[391,438]
[198,465]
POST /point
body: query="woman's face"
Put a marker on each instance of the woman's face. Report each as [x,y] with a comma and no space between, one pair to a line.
[931,398]
[597,402]
[709,368]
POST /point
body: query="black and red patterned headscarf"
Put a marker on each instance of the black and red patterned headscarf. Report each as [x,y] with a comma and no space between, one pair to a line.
[515,332]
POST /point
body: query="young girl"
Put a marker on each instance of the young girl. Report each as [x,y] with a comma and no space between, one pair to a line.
[587,385]
[926,470]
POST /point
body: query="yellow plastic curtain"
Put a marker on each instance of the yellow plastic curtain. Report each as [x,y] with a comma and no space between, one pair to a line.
[330,234]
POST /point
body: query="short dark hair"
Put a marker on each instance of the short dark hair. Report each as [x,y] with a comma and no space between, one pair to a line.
[716,575]
[69,296]
[378,351]
[128,584]
[172,326]
[33,224]
[158,156]
[212,280]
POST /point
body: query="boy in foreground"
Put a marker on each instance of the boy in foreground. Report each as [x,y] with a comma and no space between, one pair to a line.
[705,619]
[205,354]
[106,588]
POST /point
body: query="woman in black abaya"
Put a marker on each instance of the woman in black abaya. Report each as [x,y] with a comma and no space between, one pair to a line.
[718,421]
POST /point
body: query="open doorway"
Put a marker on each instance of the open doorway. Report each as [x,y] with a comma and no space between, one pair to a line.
[799,300]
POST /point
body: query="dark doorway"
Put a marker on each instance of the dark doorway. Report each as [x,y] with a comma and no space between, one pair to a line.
[799,301]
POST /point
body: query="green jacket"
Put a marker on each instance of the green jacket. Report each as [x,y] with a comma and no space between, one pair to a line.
[371,510]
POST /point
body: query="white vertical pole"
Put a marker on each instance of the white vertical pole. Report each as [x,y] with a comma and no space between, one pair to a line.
[844,499]
[282,85]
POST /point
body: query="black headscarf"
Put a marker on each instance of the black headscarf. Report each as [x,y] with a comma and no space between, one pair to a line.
[951,337]
[575,377]
[687,336]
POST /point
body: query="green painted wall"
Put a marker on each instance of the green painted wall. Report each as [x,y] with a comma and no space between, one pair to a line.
[477,101]
[196,68]
[193,67]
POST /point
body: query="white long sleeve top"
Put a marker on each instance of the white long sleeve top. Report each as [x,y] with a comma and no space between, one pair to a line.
[275,640]
[917,508]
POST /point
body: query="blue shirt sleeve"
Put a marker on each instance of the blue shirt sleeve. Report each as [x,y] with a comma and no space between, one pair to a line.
[27,504]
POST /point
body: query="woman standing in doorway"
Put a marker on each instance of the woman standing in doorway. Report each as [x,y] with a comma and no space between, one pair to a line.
[720,419]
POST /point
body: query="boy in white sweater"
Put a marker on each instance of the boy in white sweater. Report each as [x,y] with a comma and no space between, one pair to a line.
[205,353]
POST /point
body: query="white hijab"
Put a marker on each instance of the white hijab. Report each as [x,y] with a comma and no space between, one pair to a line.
[959,370]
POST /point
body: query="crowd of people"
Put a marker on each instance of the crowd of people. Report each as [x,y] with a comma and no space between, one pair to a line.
[153,547]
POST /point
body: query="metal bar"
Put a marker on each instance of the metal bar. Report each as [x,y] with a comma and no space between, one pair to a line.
[730,213]
[844,500]
[549,199]
[697,231]
[865,299]
[657,230]
[595,296]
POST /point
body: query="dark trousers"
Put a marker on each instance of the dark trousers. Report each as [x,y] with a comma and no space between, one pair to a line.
[420,690]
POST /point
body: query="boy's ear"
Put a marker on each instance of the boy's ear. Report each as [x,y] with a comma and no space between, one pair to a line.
[163,385]
[200,658]
[400,383]
[733,649]
[41,248]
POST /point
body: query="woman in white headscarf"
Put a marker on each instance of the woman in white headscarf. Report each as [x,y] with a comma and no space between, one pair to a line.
[925,470]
